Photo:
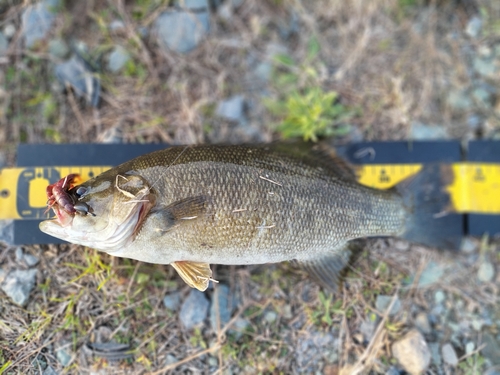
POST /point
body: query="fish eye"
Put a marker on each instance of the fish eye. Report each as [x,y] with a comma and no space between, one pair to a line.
[80,191]
[83,209]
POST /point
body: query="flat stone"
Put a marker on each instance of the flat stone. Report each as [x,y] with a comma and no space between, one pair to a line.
[435,353]
[431,274]
[221,308]
[474,27]
[37,21]
[117,59]
[182,31]
[382,303]
[172,301]
[194,309]
[18,285]
[412,352]
[311,345]
[486,272]
[4,44]
[63,355]
[491,349]
[77,73]
[449,355]
[232,109]
[170,359]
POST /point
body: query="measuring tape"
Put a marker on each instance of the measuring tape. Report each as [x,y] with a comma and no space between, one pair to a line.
[475,189]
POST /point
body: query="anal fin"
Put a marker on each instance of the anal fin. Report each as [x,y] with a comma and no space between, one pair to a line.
[195,274]
[328,269]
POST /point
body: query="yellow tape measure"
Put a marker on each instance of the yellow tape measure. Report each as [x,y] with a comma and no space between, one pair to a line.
[475,189]
[23,190]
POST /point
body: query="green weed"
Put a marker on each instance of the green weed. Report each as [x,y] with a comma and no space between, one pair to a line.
[302,107]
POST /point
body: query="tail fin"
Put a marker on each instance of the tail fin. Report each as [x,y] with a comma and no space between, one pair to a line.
[431,220]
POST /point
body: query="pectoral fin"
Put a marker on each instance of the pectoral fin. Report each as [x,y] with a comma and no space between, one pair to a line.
[328,269]
[195,274]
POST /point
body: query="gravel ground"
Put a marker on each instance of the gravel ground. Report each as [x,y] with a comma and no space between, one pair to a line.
[199,71]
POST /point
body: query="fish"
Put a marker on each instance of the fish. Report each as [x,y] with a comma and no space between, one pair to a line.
[193,206]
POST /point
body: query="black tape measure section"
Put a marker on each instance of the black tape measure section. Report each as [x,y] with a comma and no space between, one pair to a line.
[48,155]
[26,232]
[485,152]
[401,152]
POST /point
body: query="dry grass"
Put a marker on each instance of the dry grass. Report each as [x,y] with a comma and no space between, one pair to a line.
[395,62]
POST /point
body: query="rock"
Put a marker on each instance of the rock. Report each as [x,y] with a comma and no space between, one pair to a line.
[469,347]
[63,355]
[468,245]
[310,346]
[58,48]
[239,327]
[474,26]
[172,301]
[368,326]
[270,317]
[486,272]
[117,59]
[112,135]
[4,44]
[37,20]
[382,303]
[28,259]
[194,309]
[435,353]
[485,66]
[212,361]
[49,371]
[194,4]
[449,355]
[422,323]
[232,109]
[484,96]
[170,359]
[116,26]
[491,349]
[220,309]
[412,352]
[3,274]
[182,31]
[9,31]
[430,275]
[421,131]
[19,254]
[77,73]
[439,296]
[18,285]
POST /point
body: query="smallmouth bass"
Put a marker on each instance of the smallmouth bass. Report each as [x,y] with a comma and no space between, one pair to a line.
[191,206]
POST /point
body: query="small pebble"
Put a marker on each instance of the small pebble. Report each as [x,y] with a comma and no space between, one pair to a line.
[172,301]
[449,355]
[468,245]
[270,316]
[431,274]
[117,59]
[469,347]
[474,26]
[412,352]
[18,285]
[486,272]
[194,309]
[382,303]
[435,353]
[63,356]
[31,260]
[58,48]
[439,296]
[239,327]
[170,359]
[9,31]
[232,109]
[220,310]
[422,323]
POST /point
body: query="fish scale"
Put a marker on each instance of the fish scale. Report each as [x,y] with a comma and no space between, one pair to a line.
[235,205]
